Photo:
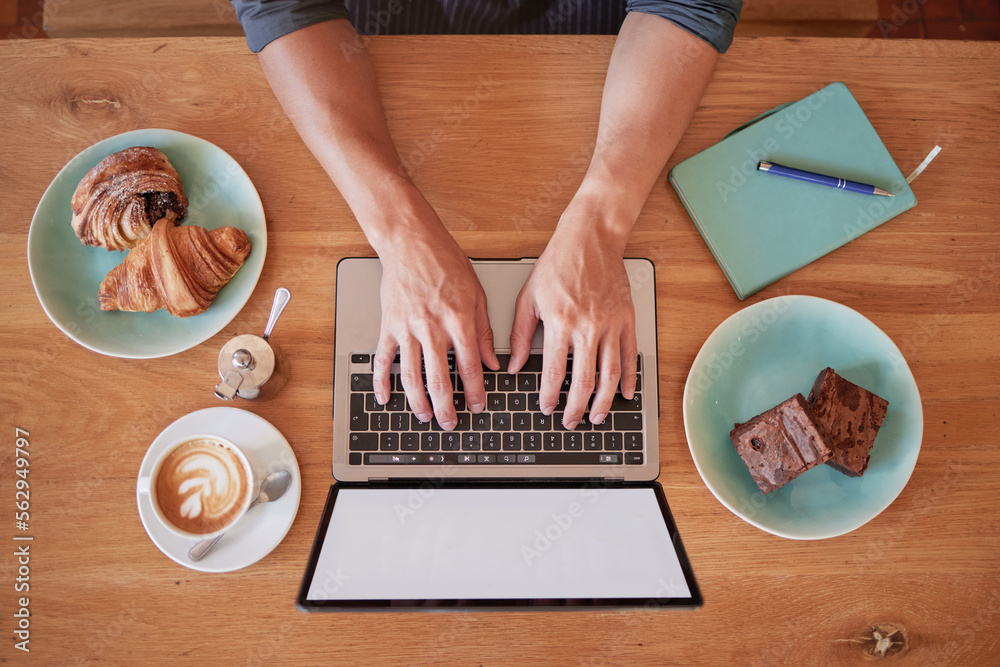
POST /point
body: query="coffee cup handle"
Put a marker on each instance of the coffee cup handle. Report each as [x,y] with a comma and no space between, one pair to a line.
[144,483]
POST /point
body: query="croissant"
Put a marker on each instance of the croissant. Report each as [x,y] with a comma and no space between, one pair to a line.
[177,268]
[119,200]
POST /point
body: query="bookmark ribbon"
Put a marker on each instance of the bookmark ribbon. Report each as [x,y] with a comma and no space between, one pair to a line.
[923,165]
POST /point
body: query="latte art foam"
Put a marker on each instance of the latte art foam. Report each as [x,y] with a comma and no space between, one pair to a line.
[202,486]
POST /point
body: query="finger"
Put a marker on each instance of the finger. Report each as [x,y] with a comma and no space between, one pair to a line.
[554,350]
[484,336]
[630,354]
[411,375]
[611,371]
[470,369]
[385,353]
[439,385]
[584,372]
[522,332]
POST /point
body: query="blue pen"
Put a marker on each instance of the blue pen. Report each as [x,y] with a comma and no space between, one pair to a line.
[821,179]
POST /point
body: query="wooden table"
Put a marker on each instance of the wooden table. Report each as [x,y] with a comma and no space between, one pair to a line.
[516,118]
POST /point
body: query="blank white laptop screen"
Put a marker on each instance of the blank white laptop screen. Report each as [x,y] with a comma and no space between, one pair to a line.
[568,544]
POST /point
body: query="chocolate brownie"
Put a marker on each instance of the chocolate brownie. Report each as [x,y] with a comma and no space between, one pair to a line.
[779,445]
[851,416]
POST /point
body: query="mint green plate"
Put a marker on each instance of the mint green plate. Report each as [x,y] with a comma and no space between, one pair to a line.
[768,352]
[66,274]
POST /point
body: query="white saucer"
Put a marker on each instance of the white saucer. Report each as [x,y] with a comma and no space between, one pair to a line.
[265,526]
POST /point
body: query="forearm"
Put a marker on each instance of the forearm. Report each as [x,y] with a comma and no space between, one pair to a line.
[656,78]
[325,83]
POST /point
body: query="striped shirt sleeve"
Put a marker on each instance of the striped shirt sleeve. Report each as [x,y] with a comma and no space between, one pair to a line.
[264,21]
[711,20]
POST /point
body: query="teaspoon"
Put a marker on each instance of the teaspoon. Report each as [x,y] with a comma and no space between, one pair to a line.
[272,488]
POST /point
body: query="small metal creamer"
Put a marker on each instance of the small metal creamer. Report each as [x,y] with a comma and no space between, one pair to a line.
[252,367]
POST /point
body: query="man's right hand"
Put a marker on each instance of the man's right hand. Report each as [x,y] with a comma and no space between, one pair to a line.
[432,302]
[431,298]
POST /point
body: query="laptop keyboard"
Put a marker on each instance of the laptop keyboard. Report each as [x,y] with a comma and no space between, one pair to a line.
[512,430]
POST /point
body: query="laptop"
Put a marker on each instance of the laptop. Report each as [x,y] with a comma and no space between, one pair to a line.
[508,510]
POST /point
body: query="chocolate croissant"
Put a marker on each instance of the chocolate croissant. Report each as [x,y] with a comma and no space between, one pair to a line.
[119,200]
[177,268]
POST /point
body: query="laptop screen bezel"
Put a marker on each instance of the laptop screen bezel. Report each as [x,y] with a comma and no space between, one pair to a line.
[649,603]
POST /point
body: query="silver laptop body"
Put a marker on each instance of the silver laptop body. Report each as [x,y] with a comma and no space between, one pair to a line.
[358,315]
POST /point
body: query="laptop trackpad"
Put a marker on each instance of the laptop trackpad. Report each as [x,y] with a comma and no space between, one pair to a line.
[541,544]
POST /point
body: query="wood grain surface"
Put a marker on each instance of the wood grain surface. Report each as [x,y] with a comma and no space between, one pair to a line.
[785,18]
[496,131]
[149,18]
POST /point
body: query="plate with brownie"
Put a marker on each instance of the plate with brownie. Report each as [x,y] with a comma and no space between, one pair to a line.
[146,244]
[802,417]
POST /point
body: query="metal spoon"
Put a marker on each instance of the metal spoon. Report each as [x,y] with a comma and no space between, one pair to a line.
[272,488]
[281,298]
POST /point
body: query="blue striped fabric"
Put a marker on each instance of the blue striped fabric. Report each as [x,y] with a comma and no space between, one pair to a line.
[266,20]
[471,17]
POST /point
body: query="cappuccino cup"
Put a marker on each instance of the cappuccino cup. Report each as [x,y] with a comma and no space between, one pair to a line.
[200,486]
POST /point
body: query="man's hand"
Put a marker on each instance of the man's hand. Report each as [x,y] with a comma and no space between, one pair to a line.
[432,302]
[431,298]
[579,289]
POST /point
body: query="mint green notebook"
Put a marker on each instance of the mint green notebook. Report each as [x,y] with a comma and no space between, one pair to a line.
[760,227]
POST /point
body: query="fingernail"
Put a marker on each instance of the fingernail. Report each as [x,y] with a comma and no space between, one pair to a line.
[449,425]
[380,398]
[547,409]
[425,417]
[476,407]
[570,425]
[597,419]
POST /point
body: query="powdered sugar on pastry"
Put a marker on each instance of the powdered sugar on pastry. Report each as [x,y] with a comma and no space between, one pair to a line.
[119,200]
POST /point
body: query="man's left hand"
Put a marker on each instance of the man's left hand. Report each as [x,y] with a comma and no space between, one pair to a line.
[580,290]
